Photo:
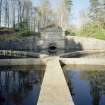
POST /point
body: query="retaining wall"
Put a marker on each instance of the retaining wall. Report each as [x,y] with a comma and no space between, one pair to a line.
[84,43]
[23,44]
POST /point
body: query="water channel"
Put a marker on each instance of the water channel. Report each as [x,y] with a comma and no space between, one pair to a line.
[20,85]
[86,84]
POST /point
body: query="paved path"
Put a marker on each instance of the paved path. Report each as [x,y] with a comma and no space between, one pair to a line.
[54,90]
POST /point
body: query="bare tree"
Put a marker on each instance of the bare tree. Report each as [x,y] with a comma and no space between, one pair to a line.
[6,13]
[63,13]
[19,10]
[16,12]
[0,11]
[13,13]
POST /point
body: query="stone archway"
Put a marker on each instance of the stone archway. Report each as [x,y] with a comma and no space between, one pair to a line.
[52,48]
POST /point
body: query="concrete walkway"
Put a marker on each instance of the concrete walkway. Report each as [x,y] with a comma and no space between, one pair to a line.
[54,89]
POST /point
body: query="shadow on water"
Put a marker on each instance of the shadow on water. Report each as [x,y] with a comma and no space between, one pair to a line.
[86,87]
[20,87]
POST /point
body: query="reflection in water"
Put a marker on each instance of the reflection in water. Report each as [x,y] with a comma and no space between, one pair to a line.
[20,87]
[88,87]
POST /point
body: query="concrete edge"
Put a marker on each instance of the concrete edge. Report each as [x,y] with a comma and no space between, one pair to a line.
[82,52]
[82,61]
[27,61]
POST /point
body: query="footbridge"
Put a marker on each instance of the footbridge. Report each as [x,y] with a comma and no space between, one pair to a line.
[54,89]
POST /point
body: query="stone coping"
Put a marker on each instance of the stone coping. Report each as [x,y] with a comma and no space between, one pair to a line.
[81,52]
[82,61]
[24,61]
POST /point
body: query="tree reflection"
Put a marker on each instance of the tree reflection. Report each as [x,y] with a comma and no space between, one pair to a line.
[16,85]
[97,84]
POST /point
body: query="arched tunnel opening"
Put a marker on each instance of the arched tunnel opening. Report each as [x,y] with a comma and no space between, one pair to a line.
[52,48]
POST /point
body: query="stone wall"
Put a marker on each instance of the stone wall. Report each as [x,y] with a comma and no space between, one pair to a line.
[26,44]
[72,43]
[52,35]
[83,43]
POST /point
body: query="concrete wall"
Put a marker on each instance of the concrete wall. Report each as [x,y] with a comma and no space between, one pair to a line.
[83,43]
[26,43]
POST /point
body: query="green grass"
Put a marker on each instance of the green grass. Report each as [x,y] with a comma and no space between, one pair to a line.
[93,30]
[100,35]
[97,35]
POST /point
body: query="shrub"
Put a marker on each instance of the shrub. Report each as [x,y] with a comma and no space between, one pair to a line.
[68,32]
[22,26]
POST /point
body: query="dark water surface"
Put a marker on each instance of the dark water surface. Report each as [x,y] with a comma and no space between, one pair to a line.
[87,87]
[20,85]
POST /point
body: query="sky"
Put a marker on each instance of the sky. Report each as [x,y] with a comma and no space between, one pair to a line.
[78,5]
